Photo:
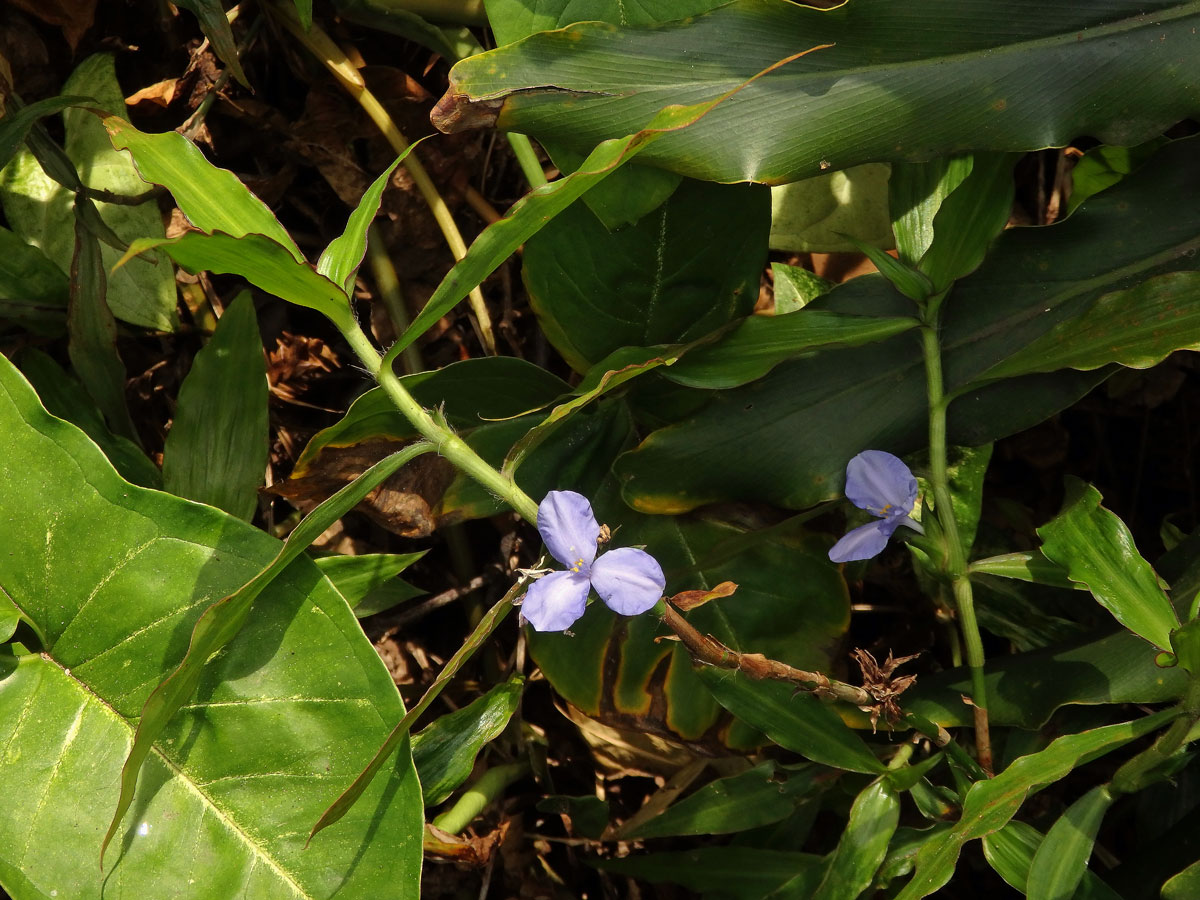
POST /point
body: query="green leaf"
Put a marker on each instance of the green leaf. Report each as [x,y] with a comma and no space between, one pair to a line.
[625,196]
[383,15]
[444,752]
[747,873]
[1138,327]
[795,287]
[16,122]
[143,292]
[1010,852]
[765,794]
[912,283]
[990,804]
[760,343]
[261,261]
[916,192]
[341,259]
[1118,70]
[1096,550]
[1025,565]
[796,721]
[222,621]
[864,843]
[212,199]
[33,290]
[215,25]
[369,582]
[92,335]
[875,396]
[662,280]
[816,214]
[589,814]
[1060,861]
[114,576]
[1183,885]
[1103,166]
[65,398]
[969,219]
[216,450]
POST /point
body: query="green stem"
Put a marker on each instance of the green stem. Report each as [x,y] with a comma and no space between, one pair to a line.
[527,159]
[480,796]
[956,561]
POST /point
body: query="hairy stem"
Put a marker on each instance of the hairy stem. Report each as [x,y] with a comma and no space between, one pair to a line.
[956,561]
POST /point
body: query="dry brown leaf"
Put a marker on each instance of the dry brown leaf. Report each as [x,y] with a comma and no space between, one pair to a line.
[160,93]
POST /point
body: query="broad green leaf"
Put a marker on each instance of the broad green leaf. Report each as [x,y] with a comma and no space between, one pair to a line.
[143,291]
[216,450]
[990,804]
[1062,858]
[760,343]
[212,199]
[33,290]
[1118,70]
[1096,549]
[383,15]
[1025,565]
[115,575]
[747,873]
[969,219]
[1184,885]
[215,25]
[530,214]
[795,287]
[967,467]
[1103,166]
[916,192]
[665,279]
[444,752]
[760,796]
[341,259]
[864,843]
[263,262]
[223,620]
[92,335]
[16,121]
[65,398]
[1138,327]
[875,396]
[625,196]
[1010,852]
[816,214]
[797,721]
[369,582]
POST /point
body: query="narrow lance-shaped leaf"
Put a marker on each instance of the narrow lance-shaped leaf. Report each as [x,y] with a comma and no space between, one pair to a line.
[216,28]
[1096,549]
[916,192]
[17,120]
[1060,861]
[1010,852]
[216,450]
[532,212]
[864,843]
[225,618]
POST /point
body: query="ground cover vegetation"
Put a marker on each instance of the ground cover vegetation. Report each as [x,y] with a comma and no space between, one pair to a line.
[696,448]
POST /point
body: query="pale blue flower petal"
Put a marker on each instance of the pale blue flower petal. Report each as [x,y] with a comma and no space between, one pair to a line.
[881,483]
[555,601]
[629,580]
[864,541]
[569,528]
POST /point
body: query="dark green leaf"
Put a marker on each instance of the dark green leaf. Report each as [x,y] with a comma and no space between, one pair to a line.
[222,621]
[589,814]
[912,283]
[1010,852]
[16,122]
[746,873]
[215,25]
[1103,166]
[1118,70]
[1060,861]
[1096,550]
[760,796]
[444,752]
[216,450]
[682,271]
[992,803]
[115,575]
[864,843]
[797,721]
[916,193]
[65,398]
[33,290]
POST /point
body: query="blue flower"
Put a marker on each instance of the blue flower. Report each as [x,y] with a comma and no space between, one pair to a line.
[629,580]
[883,485]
